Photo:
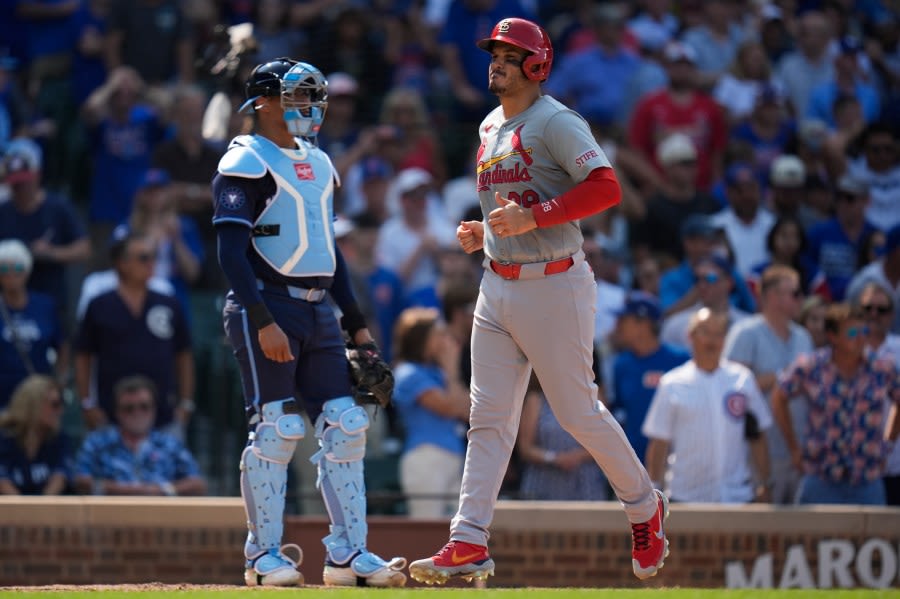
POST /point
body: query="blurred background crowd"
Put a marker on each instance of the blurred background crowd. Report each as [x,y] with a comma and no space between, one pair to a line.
[756,142]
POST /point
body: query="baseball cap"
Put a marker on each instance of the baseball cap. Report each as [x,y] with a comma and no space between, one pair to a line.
[716,260]
[641,305]
[342,84]
[892,239]
[22,160]
[374,168]
[739,172]
[676,51]
[787,171]
[411,178]
[607,13]
[677,147]
[852,185]
[155,177]
[812,132]
[698,225]
[849,45]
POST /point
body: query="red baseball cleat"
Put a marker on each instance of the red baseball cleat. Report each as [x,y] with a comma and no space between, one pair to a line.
[456,558]
[649,544]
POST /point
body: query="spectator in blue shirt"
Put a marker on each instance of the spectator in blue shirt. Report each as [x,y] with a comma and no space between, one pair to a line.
[594,81]
[33,452]
[834,245]
[130,457]
[133,330]
[123,130]
[46,222]
[433,406]
[640,365]
[846,81]
[30,333]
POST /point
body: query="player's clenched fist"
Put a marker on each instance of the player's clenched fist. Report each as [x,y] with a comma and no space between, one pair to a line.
[470,234]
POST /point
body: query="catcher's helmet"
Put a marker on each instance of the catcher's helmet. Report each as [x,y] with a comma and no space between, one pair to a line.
[265,80]
[529,36]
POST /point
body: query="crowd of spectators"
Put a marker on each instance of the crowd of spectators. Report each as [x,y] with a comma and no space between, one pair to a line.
[755,141]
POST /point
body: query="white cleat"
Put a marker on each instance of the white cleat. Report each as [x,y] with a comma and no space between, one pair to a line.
[275,569]
[366,570]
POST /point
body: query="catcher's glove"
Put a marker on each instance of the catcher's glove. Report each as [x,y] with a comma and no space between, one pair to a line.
[370,375]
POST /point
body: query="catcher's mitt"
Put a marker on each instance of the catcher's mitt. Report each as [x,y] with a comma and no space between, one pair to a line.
[372,378]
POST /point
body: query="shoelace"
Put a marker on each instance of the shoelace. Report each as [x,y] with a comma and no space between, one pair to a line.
[446,549]
[641,535]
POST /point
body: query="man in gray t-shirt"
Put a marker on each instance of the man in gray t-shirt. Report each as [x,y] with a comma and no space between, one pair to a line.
[767,343]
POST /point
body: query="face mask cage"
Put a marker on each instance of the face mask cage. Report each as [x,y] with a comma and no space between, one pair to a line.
[304,99]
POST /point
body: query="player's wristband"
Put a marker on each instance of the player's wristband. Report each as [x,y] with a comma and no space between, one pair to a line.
[352,321]
[550,456]
[260,316]
[168,489]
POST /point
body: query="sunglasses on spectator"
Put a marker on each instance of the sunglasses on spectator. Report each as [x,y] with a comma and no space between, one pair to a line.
[710,278]
[848,198]
[876,308]
[854,332]
[129,408]
[56,404]
[796,293]
[17,267]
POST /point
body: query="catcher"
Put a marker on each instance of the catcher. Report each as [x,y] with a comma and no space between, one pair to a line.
[273,218]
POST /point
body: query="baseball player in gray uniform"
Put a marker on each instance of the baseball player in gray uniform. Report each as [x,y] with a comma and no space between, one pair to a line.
[539,170]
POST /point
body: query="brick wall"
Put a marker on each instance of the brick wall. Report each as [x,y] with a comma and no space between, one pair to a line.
[75,540]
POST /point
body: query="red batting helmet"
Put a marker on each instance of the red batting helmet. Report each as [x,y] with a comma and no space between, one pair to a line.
[529,36]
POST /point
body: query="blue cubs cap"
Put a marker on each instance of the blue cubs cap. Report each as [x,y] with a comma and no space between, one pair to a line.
[641,304]
[374,168]
[739,172]
[698,225]
[155,177]
[717,261]
[850,45]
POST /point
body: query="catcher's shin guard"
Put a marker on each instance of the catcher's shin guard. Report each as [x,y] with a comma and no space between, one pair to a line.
[341,430]
[263,483]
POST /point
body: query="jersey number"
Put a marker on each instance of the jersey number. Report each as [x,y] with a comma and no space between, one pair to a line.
[529,197]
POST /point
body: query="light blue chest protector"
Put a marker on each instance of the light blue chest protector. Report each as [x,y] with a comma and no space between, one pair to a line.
[293,234]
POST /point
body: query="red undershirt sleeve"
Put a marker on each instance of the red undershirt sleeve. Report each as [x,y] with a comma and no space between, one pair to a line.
[598,192]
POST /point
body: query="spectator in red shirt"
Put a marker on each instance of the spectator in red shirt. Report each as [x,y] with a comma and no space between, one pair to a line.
[681,107]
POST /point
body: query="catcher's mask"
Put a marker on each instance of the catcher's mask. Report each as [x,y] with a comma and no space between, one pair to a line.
[304,99]
[528,36]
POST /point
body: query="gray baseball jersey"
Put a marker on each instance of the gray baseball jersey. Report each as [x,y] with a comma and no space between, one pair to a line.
[539,321]
[533,157]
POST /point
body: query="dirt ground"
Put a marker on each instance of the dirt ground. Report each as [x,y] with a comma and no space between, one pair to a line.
[147,586]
